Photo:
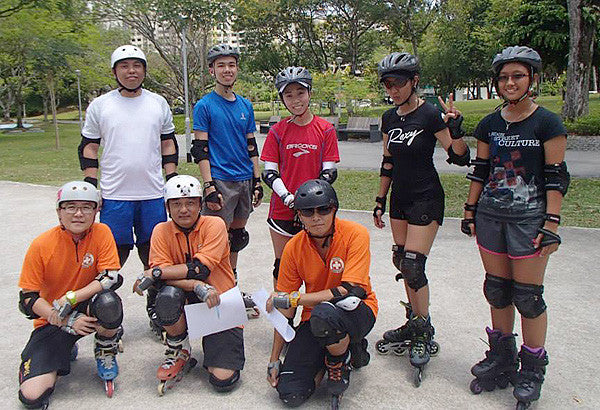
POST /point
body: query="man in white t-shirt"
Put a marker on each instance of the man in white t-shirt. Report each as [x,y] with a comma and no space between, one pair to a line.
[135,128]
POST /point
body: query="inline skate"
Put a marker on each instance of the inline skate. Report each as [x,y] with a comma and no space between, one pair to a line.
[499,368]
[530,378]
[178,361]
[105,351]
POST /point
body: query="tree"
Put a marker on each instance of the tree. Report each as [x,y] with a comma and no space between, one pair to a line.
[10,7]
[583,23]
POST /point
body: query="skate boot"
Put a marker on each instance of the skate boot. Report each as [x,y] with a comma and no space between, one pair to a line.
[531,376]
[156,328]
[74,352]
[251,309]
[422,346]
[359,354]
[105,350]
[500,365]
[178,361]
[397,340]
[338,376]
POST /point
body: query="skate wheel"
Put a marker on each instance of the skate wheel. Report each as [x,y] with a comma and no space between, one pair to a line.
[522,405]
[162,387]
[335,402]
[109,386]
[475,387]
[383,347]
[417,376]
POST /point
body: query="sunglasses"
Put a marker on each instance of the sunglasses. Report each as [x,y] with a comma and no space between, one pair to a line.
[322,210]
[515,77]
[395,83]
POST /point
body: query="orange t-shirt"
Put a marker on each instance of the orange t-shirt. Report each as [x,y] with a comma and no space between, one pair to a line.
[208,242]
[55,264]
[347,260]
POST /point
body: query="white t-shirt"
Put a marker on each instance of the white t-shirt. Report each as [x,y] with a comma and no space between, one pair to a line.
[129,130]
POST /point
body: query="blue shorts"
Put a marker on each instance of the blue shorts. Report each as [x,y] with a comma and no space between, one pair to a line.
[125,217]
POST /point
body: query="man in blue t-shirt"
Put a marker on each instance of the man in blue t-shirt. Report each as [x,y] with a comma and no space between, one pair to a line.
[225,149]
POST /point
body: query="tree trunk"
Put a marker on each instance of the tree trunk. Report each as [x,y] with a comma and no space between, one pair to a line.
[581,50]
[50,83]
[45,105]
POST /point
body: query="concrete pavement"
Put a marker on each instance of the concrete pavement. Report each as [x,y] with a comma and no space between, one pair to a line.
[458,309]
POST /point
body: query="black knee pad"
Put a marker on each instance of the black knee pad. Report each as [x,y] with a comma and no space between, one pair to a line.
[169,305]
[413,269]
[294,399]
[223,386]
[295,387]
[37,403]
[276,268]
[238,239]
[143,250]
[498,291]
[123,251]
[528,299]
[322,324]
[106,306]
[397,255]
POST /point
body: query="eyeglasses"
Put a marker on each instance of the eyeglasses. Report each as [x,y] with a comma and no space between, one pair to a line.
[515,77]
[188,203]
[85,209]
[321,210]
[395,83]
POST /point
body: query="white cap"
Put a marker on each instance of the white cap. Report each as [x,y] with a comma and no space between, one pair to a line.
[125,52]
[78,191]
[183,186]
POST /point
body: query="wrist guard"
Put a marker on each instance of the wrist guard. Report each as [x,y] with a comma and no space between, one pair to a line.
[380,200]
[455,127]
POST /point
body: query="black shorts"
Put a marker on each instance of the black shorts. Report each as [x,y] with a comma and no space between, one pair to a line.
[225,349]
[305,356]
[419,212]
[48,350]
[284,227]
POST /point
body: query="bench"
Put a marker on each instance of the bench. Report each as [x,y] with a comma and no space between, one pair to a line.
[364,126]
[335,121]
[265,126]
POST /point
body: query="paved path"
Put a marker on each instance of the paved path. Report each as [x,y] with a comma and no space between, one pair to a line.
[458,309]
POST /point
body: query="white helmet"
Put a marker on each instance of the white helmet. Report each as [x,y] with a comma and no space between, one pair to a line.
[183,186]
[125,52]
[78,191]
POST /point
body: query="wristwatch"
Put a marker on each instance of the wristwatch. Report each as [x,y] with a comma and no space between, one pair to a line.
[71,297]
[294,298]
[156,273]
[208,184]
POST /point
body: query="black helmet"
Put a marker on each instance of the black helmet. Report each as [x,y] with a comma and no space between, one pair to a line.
[291,75]
[398,64]
[222,50]
[517,54]
[315,193]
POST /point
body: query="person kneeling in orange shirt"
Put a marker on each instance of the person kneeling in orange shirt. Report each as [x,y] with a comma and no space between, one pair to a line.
[331,258]
[189,260]
[68,283]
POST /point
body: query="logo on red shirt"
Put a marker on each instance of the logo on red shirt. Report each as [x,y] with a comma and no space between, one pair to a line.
[336,265]
[88,260]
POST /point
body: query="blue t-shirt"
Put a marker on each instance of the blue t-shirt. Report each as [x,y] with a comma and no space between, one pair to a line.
[227,124]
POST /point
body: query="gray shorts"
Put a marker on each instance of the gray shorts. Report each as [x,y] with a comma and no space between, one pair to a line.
[225,349]
[512,236]
[237,200]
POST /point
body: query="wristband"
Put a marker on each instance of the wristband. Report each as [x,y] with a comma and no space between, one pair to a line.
[552,218]
[470,207]
[71,297]
[294,299]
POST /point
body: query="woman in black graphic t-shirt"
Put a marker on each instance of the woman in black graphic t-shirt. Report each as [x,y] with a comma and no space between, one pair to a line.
[410,131]
[513,208]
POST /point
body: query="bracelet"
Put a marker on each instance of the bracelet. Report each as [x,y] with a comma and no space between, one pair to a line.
[294,299]
[71,297]
[470,207]
[552,218]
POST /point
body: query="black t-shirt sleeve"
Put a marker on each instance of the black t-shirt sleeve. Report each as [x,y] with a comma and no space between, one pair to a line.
[482,131]
[386,120]
[550,126]
[434,117]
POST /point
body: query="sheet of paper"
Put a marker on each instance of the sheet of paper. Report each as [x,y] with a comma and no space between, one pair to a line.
[230,313]
[279,321]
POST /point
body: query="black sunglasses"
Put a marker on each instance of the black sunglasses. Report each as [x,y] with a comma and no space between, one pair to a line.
[321,210]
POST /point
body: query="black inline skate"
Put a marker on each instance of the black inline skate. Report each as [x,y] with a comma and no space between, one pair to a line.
[531,377]
[338,376]
[397,340]
[499,368]
[422,346]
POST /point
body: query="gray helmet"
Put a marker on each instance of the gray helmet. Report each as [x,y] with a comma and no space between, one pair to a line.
[222,50]
[315,193]
[517,54]
[291,75]
[398,63]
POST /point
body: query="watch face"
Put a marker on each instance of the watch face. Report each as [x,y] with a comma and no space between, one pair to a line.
[208,184]
[156,273]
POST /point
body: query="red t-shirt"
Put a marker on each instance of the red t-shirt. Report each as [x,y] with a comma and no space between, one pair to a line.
[300,152]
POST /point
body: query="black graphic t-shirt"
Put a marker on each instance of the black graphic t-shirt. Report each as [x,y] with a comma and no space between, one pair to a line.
[516,180]
[411,142]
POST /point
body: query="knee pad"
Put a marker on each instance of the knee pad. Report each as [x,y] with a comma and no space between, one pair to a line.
[223,386]
[322,324]
[498,291]
[397,255]
[107,307]
[143,250]
[276,268]
[294,399]
[238,239]
[413,269]
[528,299]
[123,251]
[169,305]
[37,403]
[295,387]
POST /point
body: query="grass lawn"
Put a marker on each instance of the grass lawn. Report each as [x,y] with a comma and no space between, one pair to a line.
[31,157]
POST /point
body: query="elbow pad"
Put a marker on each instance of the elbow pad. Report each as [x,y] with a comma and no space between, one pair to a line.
[197,270]
[460,160]
[170,158]
[386,171]
[481,170]
[110,279]
[83,161]
[252,147]
[269,176]
[199,150]
[557,178]
[26,302]
[329,175]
